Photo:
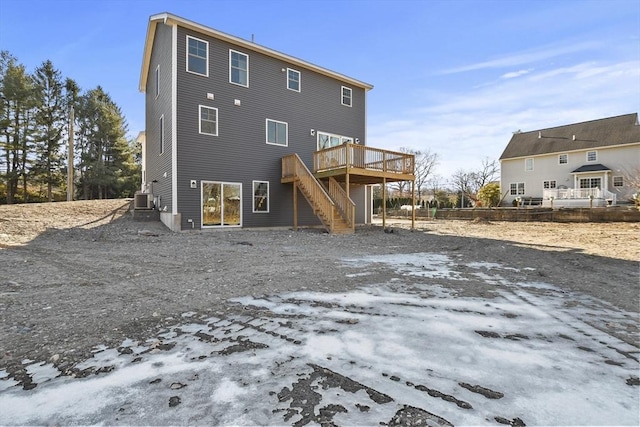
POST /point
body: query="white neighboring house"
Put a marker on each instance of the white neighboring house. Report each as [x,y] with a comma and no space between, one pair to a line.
[594,163]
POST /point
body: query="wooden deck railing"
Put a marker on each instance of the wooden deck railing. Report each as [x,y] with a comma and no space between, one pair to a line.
[363,157]
[346,206]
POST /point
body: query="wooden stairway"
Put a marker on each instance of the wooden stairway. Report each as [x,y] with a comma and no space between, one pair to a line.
[331,205]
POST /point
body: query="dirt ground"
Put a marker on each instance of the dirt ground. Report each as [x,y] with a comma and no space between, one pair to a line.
[76,275]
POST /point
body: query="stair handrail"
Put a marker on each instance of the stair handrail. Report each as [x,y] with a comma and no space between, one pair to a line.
[345,205]
[318,196]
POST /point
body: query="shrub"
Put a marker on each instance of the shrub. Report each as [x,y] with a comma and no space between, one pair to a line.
[489,194]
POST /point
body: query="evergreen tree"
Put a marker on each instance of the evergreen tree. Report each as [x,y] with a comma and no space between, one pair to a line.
[50,121]
[106,157]
[19,97]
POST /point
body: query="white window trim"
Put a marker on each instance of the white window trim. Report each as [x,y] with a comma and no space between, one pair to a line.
[266,134]
[157,81]
[560,156]
[206,74]
[517,184]
[549,181]
[343,139]
[231,51]
[222,183]
[526,163]
[200,107]
[299,80]
[613,181]
[161,134]
[595,153]
[350,96]
[253,195]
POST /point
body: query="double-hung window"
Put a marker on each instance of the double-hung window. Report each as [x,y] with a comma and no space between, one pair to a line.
[238,68]
[516,188]
[528,165]
[277,133]
[347,95]
[260,196]
[618,181]
[592,156]
[197,56]
[208,121]
[563,159]
[293,79]
[548,185]
[157,80]
[161,132]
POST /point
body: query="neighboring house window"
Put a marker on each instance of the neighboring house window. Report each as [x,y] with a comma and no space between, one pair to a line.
[528,165]
[161,124]
[590,183]
[238,68]
[618,181]
[592,156]
[277,132]
[157,80]
[293,79]
[563,159]
[208,121]
[516,188]
[346,96]
[197,56]
[260,196]
[549,185]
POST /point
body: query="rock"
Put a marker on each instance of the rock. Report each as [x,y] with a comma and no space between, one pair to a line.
[174,401]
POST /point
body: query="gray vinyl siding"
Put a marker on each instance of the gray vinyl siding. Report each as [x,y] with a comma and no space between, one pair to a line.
[239,153]
[159,164]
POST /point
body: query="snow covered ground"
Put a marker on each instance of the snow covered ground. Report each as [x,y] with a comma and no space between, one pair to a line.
[390,353]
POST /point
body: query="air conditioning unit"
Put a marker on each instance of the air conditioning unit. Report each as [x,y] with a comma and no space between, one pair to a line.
[143,201]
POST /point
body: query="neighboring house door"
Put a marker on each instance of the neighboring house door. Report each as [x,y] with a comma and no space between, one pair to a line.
[591,186]
[221,204]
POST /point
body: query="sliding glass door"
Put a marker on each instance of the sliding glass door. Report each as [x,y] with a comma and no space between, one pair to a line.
[221,204]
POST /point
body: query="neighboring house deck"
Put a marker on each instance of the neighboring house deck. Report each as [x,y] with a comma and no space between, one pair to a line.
[588,164]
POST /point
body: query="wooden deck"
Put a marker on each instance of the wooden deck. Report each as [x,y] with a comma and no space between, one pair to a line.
[348,164]
[359,164]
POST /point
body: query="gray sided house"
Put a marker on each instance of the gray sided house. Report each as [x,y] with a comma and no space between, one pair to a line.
[594,163]
[235,132]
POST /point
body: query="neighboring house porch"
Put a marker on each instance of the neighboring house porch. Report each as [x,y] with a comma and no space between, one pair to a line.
[590,189]
[335,170]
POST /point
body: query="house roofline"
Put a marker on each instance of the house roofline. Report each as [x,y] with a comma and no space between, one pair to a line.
[599,147]
[168,18]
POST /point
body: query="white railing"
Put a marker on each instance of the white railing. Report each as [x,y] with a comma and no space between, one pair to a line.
[579,193]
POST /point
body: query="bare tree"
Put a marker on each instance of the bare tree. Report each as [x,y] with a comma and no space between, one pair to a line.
[470,182]
[424,166]
[488,172]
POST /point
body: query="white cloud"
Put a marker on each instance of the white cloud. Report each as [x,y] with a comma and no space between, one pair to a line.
[515,74]
[525,57]
[467,125]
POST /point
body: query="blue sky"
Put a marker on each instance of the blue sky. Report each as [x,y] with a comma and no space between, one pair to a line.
[453,77]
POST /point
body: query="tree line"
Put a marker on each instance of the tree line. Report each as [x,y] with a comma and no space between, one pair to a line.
[35,120]
[465,187]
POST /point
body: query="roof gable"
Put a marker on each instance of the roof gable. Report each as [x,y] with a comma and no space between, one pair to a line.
[169,19]
[618,130]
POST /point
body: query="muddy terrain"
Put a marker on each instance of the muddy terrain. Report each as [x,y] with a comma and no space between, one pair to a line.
[81,274]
